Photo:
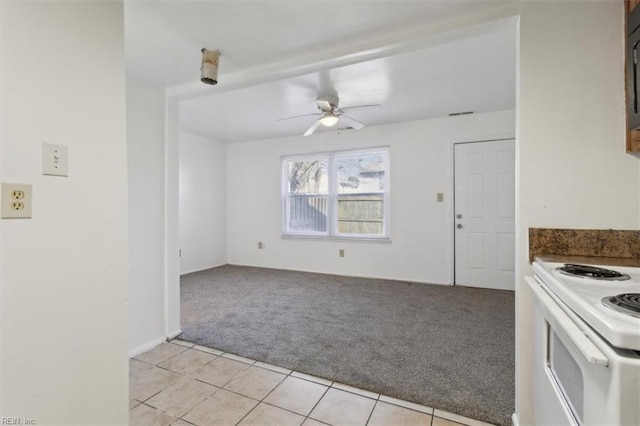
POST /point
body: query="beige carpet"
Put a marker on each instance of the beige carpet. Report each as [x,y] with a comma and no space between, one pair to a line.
[450,348]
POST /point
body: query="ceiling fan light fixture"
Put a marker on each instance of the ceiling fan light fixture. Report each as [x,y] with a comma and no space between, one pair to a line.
[329,119]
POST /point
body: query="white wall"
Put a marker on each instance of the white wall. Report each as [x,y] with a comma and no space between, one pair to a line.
[64,272]
[421,229]
[573,170]
[203,203]
[146,161]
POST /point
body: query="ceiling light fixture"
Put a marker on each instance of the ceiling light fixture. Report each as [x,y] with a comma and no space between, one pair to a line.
[329,119]
[209,68]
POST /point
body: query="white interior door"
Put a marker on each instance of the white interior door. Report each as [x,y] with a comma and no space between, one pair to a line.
[485,214]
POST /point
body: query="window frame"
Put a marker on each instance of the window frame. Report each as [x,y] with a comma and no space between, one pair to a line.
[332,232]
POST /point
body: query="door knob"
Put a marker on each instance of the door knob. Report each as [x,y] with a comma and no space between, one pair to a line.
[459,226]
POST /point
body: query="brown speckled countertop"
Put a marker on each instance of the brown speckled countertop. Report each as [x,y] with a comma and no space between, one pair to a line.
[593,246]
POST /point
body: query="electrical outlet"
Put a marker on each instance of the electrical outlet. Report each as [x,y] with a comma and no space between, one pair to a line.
[16,200]
[341,253]
[260,245]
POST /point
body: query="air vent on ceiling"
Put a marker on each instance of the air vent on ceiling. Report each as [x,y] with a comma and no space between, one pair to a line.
[453,114]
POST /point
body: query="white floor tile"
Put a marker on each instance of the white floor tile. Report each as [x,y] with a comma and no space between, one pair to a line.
[192,390]
[343,408]
[388,414]
[267,415]
[297,395]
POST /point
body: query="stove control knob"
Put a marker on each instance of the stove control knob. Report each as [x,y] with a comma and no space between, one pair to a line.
[459,216]
[459,226]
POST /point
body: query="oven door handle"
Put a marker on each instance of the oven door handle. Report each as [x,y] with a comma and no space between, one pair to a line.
[577,336]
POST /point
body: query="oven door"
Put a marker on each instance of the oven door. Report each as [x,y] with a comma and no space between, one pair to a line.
[569,371]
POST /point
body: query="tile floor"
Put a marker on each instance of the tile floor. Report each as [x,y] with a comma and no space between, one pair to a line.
[179,383]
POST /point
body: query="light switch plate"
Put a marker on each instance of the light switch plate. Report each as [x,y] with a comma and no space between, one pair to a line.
[16,200]
[55,159]
[440,197]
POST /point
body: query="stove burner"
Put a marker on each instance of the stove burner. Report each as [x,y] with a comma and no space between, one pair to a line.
[583,271]
[628,303]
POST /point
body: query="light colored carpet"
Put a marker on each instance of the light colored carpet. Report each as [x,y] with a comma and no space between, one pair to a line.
[450,348]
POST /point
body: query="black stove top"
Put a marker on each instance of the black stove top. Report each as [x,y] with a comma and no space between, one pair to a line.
[628,303]
[592,272]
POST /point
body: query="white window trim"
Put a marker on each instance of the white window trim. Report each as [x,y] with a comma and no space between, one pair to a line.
[331,234]
[284,182]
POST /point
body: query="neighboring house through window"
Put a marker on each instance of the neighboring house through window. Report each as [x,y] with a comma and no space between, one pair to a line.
[337,194]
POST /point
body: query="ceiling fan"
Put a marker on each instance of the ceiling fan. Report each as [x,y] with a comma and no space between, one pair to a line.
[330,114]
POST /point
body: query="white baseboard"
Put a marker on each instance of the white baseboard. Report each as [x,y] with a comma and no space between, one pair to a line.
[152,344]
[147,346]
[174,334]
[203,269]
[407,280]
[514,420]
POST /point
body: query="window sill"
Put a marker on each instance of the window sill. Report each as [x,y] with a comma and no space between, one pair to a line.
[379,240]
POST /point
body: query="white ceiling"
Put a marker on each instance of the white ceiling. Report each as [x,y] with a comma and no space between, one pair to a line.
[474,72]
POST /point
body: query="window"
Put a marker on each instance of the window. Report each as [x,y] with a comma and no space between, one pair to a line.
[337,194]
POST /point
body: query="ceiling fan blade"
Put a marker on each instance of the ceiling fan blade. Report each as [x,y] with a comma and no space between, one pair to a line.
[350,122]
[313,128]
[298,116]
[360,106]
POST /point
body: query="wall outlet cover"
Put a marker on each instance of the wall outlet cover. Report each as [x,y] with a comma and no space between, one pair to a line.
[16,200]
[55,159]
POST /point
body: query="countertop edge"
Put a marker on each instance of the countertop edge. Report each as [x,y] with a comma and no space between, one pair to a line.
[590,260]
